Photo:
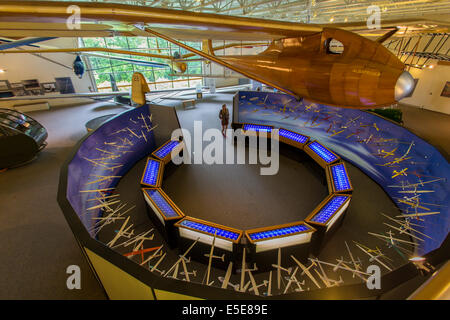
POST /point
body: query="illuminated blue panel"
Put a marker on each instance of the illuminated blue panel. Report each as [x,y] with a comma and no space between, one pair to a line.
[329,209]
[322,152]
[278,232]
[209,229]
[257,127]
[340,177]
[162,203]
[297,137]
[166,149]
[151,172]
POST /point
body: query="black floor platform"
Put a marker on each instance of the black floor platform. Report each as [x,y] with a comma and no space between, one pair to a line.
[238,196]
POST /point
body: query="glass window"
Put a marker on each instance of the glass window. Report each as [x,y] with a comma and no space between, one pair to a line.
[159,78]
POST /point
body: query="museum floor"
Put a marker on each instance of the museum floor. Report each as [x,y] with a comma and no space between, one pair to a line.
[37,244]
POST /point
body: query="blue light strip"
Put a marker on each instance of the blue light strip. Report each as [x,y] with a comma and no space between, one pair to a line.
[166,208]
[297,137]
[257,127]
[210,230]
[329,209]
[151,172]
[166,149]
[322,152]
[340,177]
[263,235]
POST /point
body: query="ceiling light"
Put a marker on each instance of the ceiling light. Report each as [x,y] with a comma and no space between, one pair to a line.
[331,19]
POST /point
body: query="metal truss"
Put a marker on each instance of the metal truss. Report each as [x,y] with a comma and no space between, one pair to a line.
[419,51]
[307,11]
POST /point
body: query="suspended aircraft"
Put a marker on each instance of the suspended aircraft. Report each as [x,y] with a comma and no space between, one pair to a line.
[78,67]
[321,63]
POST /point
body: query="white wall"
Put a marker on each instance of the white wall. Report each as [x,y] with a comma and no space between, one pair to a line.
[213,68]
[26,66]
[427,94]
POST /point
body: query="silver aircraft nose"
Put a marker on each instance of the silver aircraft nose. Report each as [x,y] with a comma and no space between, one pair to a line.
[404,85]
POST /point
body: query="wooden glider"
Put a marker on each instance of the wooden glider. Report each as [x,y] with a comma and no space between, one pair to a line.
[210,257]
[306,270]
[375,258]
[243,269]
[301,59]
[226,279]
[154,255]
[182,258]
[280,268]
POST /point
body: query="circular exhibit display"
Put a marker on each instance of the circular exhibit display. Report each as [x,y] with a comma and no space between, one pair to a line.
[21,138]
[262,245]
[172,253]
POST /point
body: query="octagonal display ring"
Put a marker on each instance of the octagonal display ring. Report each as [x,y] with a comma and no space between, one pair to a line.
[299,238]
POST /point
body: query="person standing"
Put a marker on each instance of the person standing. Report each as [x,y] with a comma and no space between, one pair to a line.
[224,116]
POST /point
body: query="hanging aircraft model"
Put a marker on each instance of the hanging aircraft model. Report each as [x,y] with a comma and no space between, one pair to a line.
[320,63]
[78,67]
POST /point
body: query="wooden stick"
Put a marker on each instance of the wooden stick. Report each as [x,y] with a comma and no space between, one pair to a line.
[182,257]
[403,231]
[279,269]
[269,289]
[420,214]
[243,271]
[226,280]
[306,271]
[132,253]
[355,265]
[157,263]
[325,278]
[104,204]
[97,190]
[373,257]
[254,286]
[208,272]
[186,273]
[391,238]
[111,243]
[291,279]
[152,256]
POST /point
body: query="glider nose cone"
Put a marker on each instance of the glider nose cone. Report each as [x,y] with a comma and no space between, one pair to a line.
[404,85]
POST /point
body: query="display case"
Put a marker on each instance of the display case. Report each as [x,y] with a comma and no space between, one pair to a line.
[21,138]
[338,179]
[293,238]
[250,129]
[153,173]
[321,154]
[163,212]
[227,245]
[164,152]
[327,217]
[292,138]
